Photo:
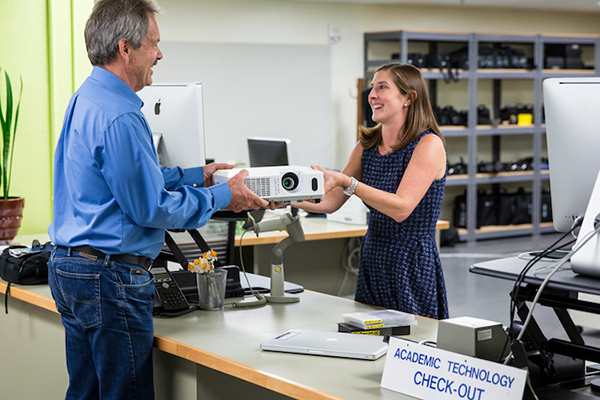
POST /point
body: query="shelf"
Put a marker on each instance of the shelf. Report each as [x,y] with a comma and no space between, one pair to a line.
[436,74]
[505,177]
[371,66]
[505,73]
[498,231]
[480,138]
[417,36]
[484,130]
[457,180]
[383,36]
[506,39]
[454,130]
[428,73]
[569,39]
[487,130]
[500,177]
[483,73]
[568,73]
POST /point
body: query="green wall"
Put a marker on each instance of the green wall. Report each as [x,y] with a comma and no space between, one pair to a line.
[41,41]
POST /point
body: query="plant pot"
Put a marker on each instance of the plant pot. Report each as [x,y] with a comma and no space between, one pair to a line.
[11,213]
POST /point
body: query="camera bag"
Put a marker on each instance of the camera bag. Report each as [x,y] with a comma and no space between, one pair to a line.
[24,266]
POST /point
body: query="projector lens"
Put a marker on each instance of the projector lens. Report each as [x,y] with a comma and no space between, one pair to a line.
[289,181]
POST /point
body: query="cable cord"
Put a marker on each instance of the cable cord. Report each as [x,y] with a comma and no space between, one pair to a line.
[566,258]
[519,281]
[192,307]
[535,301]
[260,299]
[528,378]
[349,255]
[528,266]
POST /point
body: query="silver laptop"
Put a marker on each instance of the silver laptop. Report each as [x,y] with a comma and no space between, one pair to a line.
[333,344]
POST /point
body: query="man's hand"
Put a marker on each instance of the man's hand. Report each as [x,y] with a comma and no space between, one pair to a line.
[210,169]
[242,198]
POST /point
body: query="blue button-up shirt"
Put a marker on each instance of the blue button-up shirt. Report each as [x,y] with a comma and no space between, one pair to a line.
[109,190]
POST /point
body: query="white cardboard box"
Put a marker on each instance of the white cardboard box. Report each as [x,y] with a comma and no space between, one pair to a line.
[353,212]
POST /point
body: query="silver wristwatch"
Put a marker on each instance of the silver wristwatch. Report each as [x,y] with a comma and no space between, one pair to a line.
[349,191]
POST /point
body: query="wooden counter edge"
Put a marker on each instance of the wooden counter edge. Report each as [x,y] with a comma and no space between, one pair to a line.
[21,293]
[218,363]
[238,370]
[352,231]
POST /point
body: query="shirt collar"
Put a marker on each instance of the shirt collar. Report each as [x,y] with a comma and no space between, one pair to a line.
[117,84]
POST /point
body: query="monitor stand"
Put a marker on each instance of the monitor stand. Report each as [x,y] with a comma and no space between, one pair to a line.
[586,261]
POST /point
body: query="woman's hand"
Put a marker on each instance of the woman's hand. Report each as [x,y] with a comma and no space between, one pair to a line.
[332,179]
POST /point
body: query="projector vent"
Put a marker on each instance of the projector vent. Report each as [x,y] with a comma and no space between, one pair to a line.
[260,186]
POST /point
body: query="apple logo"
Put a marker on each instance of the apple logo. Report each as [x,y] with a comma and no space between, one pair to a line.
[157,108]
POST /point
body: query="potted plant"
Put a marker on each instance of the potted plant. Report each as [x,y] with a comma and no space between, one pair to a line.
[11,208]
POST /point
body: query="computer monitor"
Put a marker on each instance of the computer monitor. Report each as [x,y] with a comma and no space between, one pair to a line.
[572,108]
[268,152]
[174,113]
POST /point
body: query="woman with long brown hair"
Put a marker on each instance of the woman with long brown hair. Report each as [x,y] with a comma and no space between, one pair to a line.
[398,169]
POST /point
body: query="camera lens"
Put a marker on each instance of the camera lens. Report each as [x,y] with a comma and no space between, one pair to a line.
[289,181]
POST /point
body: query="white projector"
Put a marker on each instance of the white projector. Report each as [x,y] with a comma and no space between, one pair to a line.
[282,184]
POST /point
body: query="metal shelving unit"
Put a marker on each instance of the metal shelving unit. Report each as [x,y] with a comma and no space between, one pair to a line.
[399,42]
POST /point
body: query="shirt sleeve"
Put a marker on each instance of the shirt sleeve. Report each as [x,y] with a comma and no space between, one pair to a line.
[148,195]
[176,177]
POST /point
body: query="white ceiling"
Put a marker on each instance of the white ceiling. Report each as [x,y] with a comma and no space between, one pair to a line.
[566,5]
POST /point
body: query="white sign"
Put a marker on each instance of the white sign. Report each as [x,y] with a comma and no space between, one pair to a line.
[426,372]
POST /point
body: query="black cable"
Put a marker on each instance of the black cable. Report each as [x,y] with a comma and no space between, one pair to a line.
[193,307]
[530,264]
[527,268]
[521,277]
[260,299]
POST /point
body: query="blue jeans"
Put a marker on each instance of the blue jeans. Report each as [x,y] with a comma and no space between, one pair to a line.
[106,309]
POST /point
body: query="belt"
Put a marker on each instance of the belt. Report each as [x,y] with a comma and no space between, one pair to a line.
[93,254]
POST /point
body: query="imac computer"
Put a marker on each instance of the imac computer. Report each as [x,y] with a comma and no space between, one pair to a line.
[268,152]
[572,109]
[174,113]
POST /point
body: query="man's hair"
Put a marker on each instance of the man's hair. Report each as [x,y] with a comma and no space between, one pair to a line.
[113,20]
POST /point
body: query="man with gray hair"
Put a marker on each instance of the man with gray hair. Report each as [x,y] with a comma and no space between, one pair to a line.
[112,204]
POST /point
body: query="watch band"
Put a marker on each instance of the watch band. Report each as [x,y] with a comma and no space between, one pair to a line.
[349,191]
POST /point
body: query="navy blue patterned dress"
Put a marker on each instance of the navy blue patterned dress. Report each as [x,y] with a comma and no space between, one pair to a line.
[400,266]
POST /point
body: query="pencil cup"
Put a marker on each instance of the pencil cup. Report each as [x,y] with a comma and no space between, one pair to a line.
[211,289]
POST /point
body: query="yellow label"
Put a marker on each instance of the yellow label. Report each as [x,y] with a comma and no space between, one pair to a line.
[375,326]
[374,333]
[373,321]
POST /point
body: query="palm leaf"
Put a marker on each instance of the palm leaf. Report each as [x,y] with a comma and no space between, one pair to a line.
[14,139]
[9,131]
[6,134]
[3,122]
[4,125]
